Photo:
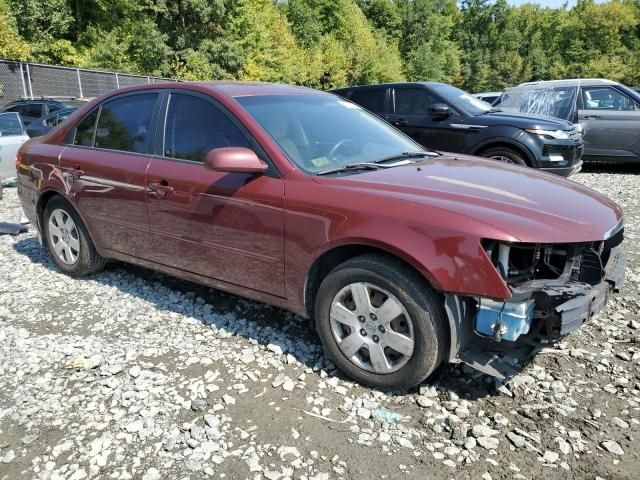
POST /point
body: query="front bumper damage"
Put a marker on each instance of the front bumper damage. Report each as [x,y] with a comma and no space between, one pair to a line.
[560,307]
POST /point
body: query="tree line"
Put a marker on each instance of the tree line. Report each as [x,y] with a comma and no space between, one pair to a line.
[475,44]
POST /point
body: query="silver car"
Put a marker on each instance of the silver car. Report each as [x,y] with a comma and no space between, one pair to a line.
[609,113]
[12,136]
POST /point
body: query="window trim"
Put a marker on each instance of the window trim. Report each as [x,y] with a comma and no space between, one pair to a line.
[161,126]
[152,124]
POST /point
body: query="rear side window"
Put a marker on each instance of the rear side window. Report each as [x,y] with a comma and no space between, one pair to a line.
[413,101]
[28,109]
[85,129]
[195,126]
[373,100]
[53,107]
[124,123]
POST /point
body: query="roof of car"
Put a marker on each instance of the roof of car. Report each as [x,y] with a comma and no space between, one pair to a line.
[394,84]
[571,82]
[244,89]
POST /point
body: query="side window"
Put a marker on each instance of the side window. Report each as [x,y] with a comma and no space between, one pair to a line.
[373,100]
[605,98]
[84,130]
[124,123]
[33,110]
[51,121]
[16,108]
[195,126]
[53,107]
[413,101]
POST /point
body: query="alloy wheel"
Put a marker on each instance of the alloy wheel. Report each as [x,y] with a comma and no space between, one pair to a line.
[372,328]
[63,236]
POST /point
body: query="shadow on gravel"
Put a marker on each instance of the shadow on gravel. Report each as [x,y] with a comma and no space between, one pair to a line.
[232,312]
[619,169]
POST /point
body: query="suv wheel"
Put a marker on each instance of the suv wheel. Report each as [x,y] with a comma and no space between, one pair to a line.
[68,240]
[504,154]
[380,322]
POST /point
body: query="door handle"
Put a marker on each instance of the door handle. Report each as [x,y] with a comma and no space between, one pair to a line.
[160,189]
[400,122]
[590,117]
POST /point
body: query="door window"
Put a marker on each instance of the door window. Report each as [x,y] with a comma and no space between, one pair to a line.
[52,121]
[414,101]
[85,129]
[606,98]
[373,100]
[124,123]
[196,126]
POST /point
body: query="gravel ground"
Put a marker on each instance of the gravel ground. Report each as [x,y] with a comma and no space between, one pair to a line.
[133,374]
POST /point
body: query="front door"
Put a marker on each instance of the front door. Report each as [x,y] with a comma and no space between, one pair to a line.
[611,124]
[412,116]
[226,226]
[103,167]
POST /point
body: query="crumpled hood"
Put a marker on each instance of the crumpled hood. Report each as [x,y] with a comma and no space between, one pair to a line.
[530,205]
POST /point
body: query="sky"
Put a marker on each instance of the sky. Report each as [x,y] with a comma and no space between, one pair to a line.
[548,3]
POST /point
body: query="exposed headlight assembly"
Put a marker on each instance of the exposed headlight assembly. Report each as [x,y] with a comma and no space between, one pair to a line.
[556,134]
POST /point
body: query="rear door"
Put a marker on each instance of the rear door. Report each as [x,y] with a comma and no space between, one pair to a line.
[104,168]
[225,226]
[411,115]
[612,124]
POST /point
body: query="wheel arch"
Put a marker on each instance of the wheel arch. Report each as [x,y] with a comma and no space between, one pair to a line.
[338,254]
[45,197]
[506,143]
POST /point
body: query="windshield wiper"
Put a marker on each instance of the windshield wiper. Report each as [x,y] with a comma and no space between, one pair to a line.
[406,156]
[357,166]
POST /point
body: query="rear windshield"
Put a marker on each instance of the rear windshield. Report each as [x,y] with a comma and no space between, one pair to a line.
[559,102]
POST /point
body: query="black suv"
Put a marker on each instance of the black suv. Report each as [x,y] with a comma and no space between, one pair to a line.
[445,118]
[31,109]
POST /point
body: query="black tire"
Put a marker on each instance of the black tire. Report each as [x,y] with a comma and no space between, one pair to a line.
[89,260]
[421,302]
[506,155]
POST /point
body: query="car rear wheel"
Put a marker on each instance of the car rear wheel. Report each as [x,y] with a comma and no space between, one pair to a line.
[505,154]
[68,241]
[380,322]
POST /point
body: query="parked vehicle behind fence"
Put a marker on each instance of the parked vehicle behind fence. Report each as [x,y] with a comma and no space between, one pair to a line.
[44,125]
[12,136]
[609,113]
[404,258]
[31,109]
[445,118]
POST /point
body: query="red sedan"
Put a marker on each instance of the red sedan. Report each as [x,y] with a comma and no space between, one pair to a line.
[403,257]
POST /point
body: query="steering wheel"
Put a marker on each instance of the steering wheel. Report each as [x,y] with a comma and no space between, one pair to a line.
[338,146]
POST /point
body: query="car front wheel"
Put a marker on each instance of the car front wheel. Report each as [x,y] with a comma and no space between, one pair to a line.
[380,322]
[504,154]
[68,241]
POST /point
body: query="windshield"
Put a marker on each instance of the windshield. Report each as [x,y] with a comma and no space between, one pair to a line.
[461,100]
[556,102]
[10,124]
[321,132]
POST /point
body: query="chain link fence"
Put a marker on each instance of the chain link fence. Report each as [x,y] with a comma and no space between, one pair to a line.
[31,80]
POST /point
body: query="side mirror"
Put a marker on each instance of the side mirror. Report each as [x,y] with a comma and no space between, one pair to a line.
[440,110]
[234,159]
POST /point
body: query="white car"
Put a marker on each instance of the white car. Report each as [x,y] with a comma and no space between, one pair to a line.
[12,136]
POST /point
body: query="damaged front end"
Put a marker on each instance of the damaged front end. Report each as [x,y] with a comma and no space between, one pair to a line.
[555,289]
